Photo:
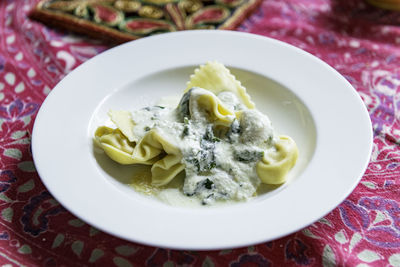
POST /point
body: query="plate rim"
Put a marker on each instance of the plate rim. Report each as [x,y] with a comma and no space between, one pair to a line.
[36,138]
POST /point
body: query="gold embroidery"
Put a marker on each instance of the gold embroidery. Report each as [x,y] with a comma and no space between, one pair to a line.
[190,6]
[151,12]
[127,6]
[160,2]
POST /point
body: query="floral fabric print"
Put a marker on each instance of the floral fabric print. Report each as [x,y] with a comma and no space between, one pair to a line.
[360,41]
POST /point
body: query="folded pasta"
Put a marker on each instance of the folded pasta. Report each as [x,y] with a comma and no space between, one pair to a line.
[216,78]
[215,136]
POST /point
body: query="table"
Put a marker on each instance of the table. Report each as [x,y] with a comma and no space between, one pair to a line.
[358,40]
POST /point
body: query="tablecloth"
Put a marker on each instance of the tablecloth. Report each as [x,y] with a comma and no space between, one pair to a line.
[360,41]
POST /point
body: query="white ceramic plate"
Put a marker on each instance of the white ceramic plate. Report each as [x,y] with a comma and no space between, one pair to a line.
[303,96]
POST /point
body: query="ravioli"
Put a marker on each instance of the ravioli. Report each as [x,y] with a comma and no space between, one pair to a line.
[215,136]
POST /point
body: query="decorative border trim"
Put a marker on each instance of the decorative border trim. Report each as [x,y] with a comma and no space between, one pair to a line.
[113,36]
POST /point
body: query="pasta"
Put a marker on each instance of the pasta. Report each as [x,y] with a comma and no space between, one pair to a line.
[216,78]
[215,136]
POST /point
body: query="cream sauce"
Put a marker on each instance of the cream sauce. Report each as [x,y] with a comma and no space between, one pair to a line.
[220,165]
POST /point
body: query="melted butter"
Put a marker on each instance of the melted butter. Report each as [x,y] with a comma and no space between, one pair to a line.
[265,188]
[141,182]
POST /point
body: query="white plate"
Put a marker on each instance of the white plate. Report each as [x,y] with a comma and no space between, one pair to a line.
[303,96]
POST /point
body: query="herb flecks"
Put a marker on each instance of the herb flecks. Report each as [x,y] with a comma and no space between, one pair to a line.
[208,184]
[209,135]
[248,155]
[183,106]
[202,185]
[208,199]
[204,159]
[234,130]
[269,140]
[153,107]
[186,129]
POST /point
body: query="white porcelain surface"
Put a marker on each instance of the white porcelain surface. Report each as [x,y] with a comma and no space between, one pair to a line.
[304,98]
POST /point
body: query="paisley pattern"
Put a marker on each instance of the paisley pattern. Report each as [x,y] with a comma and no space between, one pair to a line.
[360,41]
[36,212]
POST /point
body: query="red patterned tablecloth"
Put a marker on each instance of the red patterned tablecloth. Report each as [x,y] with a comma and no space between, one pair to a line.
[360,41]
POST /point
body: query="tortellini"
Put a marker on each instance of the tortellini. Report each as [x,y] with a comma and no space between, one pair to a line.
[123,120]
[214,133]
[147,151]
[198,101]
[116,145]
[274,166]
[216,78]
